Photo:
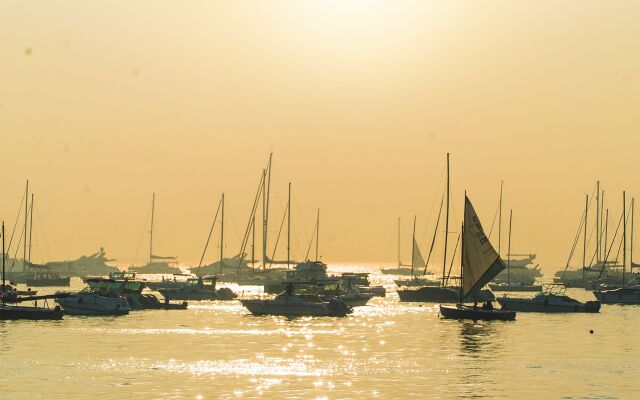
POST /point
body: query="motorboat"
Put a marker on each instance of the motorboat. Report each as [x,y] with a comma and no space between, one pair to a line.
[46,278]
[514,287]
[132,290]
[552,300]
[297,302]
[92,302]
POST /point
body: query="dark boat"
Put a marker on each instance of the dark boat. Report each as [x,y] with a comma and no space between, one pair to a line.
[461,311]
[46,278]
[506,287]
[8,312]
[11,312]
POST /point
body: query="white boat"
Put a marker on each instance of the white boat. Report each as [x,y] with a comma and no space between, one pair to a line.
[552,300]
[297,303]
[90,302]
[200,288]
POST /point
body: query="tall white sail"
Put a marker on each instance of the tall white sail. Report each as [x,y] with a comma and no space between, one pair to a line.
[480,261]
[418,261]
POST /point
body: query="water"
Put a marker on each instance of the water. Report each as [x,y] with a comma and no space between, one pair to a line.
[388,350]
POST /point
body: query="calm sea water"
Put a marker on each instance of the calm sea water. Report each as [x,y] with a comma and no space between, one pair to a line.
[387,350]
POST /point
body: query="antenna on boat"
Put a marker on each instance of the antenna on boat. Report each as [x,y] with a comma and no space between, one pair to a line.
[446,228]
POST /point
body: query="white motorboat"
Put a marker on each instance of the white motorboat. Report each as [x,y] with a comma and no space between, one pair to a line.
[297,303]
[90,302]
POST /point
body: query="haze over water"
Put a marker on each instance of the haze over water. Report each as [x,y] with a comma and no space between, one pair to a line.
[386,350]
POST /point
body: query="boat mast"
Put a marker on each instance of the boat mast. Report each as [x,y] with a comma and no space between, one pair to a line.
[631,244]
[606,232]
[265,209]
[3,258]
[446,230]
[399,261]
[597,221]
[318,233]
[584,242]
[30,227]
[413,247]
[509,251]
[153,206]
[253,241]
[26,218]
[500,219]
[221,231]
[624,235]
[462,255]
[289,227]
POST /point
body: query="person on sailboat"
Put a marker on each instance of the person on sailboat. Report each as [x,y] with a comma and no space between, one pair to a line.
[487,306]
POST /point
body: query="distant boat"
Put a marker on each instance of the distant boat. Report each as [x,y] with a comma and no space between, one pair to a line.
[552,300]
[91,265]
[44,278]
[13,312]
[628,292]
[480,264]
[296,302]
[418,263]
[402,268]
[157,264]
[514,282]
[200,288]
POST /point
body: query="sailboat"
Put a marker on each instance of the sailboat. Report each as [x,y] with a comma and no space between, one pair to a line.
[442,292]
[417,263]
[402,268]
[626,293]
[157,264]
[11,312]
[480,263]
[518,285]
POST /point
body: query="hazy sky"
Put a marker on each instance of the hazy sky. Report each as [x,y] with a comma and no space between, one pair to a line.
[104,103]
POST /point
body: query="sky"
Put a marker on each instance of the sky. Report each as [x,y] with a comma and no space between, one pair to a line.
[104,103]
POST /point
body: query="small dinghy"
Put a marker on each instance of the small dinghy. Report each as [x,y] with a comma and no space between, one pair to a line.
[486,313]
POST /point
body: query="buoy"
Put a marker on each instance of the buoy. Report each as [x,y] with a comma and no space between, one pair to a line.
[591,331]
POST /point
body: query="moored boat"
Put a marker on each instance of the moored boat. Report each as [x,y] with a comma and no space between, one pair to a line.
[92,302]
[297,302]
[552,300]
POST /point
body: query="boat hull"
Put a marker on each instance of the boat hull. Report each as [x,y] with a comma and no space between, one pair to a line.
[66,281]
[273,307]
[93,305]
[533,305]
[619,296]
[29,313]
[441,295]
[464,312]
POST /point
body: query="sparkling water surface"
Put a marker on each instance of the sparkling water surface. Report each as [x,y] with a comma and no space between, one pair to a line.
[386,350]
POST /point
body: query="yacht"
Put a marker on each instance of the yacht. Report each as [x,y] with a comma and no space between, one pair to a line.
[92,302]
[552,300]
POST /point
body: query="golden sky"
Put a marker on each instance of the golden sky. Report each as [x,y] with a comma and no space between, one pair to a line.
[104,103]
